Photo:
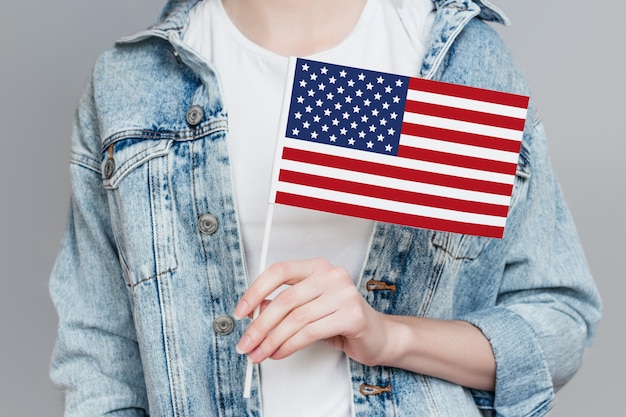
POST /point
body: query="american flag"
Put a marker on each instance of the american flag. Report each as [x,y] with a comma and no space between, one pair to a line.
[396,149]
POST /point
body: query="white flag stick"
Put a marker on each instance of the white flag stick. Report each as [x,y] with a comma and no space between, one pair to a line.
[262,265]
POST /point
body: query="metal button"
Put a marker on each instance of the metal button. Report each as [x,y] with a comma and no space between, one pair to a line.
[109,167]
[195,115]
[207,223]
[223,325]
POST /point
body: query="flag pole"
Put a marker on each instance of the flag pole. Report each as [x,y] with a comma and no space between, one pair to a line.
[262,265]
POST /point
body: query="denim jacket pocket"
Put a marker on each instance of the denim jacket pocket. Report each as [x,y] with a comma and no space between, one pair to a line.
[135,171]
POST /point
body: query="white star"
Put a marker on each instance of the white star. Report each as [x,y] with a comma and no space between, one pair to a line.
[343,74]
[300,99]
[383,122]
[330,96]
[396,99]
[399,83]
[319,103]
[388,148]
[324,70]
[381,137]
[332,80]
[391,131]
[370,144]
[343,131]
[311,93]
[340,90]
[325,128]
[356,109]
[361,77]
[380,80]
[335,122]
[372,128]
[306,125]
[361,134]
[321,86]
[358,93]
[364,118]
[351,83]
[305,67]
[333,138]
[369,86]
[385,105]
[367,102]
[327,112]
[314,135]
[375,112]
[308,109]
[393,115]
[377,96]
[348,99]
[346,115]
[298,115]
[295,132]
[302,83]
[388,89]
[351,141]
[314,76]
[337,106]
[316,118]
[354,125]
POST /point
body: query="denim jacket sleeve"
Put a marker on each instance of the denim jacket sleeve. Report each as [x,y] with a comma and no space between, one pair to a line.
[547,305]
[89,293]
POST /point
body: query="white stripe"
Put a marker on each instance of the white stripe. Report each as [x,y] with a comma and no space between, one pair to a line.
[468,104]
[468,127]
[399,162]
[458,149]
[405,185]
[382,204]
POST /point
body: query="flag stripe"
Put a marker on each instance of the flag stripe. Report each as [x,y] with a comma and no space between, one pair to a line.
[392,160]
[457,160]
[398,184]
[467,103]
[465,115]
[402,196]
[388,216]
[455,148]
[451,124]
[396,172]
[489,142]
[462,91]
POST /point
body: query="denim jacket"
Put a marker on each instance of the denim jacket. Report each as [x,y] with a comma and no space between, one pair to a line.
[151,264]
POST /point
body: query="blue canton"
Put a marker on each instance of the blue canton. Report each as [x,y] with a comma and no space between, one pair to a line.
[348,107]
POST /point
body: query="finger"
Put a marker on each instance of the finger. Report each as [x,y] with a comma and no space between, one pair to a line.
[275,312]
[272,278]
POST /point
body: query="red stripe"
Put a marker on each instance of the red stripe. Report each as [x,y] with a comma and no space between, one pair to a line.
[465,115]
[388,216]
[462,161]
[392,194]
[464,138]
[392,171]
[473,93]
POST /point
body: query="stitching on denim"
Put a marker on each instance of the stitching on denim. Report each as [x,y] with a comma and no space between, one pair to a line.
[367,390]
[374,285]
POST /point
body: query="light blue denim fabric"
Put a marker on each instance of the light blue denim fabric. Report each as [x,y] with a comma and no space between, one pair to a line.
[138,284]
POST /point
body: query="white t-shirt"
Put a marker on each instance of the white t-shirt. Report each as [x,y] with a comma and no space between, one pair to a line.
[389,36]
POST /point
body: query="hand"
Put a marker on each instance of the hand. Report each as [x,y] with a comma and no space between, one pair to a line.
[321,304]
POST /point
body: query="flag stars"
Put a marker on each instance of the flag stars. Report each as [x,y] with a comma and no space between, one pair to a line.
[377,96]
[311,92]
[391,131]
[364,118]
[343,74]
[332,80]
[361,134]
[356,109]
[399,83]
[358,93]
[306,125]
[386,106]
[335,122]
[330,96]
[324,70]
[298,115]
[354,125]
[321,86]
[346,115]
[316,118]
[295,131]
[302,83]
[314,135]
[380,137]
[375,112]
[388,89]
[388,148]
[380,80]
[396,99]
[340,90]
[369,86]
[337,106]
[361,77]
[305,67]
[333,138]
[372,128]
[348,99]
[351,83]
[300,100]
[325,128]
[343,131]
[351,141]
[367,102]
[370,144]
[327,112]
[394,115]
[319,103]
[314,76]
[308,109]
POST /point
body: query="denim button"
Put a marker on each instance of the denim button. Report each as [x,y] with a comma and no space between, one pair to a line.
[195,115]
[207,223]
[223,325]
[109,167]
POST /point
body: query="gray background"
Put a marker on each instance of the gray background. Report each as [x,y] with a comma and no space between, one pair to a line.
[569,50]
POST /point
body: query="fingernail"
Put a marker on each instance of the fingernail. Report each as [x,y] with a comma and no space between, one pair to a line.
[244,345]
[240,310]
